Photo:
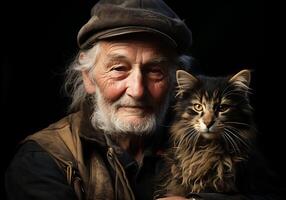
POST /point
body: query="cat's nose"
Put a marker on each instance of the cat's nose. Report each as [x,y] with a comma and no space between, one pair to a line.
[208,120]
[209,123]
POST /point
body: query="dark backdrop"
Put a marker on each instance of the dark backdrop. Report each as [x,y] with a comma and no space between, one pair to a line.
[39,40]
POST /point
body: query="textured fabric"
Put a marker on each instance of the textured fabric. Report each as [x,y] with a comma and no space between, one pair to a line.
[101,175]
[33,174]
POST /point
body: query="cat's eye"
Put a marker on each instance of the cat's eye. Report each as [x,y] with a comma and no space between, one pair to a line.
[198,107]
[223,107]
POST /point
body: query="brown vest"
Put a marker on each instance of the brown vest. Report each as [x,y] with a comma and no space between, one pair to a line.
[62,141]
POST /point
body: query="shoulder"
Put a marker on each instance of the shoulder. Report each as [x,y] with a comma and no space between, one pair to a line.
[31,153]
[32,160]
[33,174]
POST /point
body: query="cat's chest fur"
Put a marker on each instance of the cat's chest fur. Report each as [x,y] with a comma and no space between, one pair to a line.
[211,135]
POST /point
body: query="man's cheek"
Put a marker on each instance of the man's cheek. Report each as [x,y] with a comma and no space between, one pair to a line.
[159,91]
[112,93]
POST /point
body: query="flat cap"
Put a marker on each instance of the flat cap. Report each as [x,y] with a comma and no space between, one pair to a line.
[110,18]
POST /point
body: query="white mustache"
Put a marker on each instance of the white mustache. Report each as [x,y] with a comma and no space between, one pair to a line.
[126,101]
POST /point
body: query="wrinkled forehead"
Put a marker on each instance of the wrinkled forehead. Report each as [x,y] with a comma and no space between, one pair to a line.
[147,43]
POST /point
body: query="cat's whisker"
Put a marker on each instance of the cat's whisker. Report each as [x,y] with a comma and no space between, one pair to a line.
[191,140]
[238,136]
[181,138]
[184,140]
[187,138]
[239,123]
[220,126]
[236,130]
[233,143]
[245,141]
[225,139]
[195,140]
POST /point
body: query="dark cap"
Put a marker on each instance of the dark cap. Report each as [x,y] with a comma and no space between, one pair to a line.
[111,18]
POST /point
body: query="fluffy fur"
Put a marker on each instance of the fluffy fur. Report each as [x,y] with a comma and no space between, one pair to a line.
[212,133]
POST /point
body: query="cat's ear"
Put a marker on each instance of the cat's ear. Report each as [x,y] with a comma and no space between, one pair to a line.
[185,81]
[241,79]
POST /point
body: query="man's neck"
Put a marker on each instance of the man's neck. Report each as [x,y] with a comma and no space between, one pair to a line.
[133,145]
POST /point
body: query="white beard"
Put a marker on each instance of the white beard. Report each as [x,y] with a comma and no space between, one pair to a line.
[105,117]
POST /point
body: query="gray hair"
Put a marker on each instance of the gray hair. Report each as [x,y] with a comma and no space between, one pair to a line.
[86,60]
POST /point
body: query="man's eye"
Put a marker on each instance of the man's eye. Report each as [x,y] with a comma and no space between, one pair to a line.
[119,71]
[156,73]
[119,68]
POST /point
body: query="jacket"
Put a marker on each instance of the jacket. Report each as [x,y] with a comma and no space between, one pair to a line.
[90,164]
[98,169]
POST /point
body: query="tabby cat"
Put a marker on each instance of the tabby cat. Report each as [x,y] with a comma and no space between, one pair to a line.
[212,133]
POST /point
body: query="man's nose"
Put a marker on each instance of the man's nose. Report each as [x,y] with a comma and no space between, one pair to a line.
[135,84]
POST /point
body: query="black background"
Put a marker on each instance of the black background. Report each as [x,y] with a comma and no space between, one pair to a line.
[39,40]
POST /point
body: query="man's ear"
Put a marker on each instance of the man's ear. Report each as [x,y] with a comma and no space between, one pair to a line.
[88,82]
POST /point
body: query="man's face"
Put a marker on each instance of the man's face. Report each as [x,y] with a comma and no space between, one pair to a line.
[131,84]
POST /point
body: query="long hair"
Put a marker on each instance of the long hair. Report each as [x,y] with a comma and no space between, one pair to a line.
[85,60]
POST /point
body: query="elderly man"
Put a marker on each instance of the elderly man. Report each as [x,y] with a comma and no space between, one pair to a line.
[121,84]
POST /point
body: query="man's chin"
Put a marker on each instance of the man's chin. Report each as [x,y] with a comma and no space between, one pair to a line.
[132,112]
[135,118]
[135,124]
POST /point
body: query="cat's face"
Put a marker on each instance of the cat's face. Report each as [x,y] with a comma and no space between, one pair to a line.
[214,107]
[207,113]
